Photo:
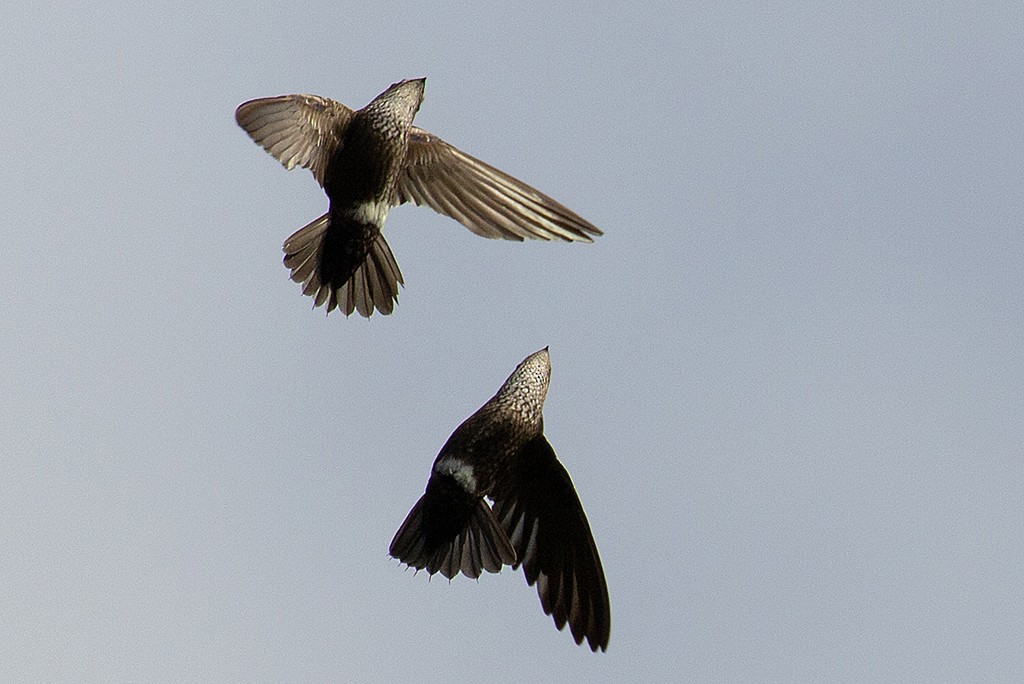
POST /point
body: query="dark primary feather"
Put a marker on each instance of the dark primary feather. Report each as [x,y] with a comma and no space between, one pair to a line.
[537,505]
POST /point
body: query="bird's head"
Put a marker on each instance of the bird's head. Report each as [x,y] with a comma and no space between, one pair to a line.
[528,384]
[401,99]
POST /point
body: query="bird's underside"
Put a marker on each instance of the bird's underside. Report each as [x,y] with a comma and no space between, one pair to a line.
[536,520]
[341,147]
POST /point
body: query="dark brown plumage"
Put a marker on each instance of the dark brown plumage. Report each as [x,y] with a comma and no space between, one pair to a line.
[537,520]
[372,159]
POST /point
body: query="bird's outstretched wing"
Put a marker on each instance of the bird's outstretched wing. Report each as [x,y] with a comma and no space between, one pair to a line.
[488,201]
[537,505]
[298,130]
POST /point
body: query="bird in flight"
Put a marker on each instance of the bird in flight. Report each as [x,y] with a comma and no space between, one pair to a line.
[537,520]
[372,159]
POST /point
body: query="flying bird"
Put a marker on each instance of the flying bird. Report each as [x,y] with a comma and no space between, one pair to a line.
[372,159]
[537,521]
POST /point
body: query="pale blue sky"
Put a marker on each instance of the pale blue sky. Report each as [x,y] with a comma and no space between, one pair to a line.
[787,381]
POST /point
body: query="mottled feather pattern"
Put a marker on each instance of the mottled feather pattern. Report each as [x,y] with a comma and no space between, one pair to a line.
[500,452]
[372,158]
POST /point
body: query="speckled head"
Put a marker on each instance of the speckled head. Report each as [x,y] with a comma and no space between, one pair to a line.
[401,99]
[537,366]
[528,384]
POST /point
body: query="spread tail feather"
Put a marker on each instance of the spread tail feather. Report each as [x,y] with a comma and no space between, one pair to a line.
[326,277]
[449,530]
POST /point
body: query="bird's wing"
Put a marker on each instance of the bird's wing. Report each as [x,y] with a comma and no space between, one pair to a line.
[489,202]
[298,130]
[537,505]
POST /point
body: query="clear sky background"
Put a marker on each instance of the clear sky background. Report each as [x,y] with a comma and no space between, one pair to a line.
[787,381]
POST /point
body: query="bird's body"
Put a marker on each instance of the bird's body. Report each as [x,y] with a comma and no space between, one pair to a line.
[537,521]
[371,159]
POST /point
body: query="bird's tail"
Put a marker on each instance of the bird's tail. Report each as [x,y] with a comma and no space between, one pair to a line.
[449,530]
[342,271]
